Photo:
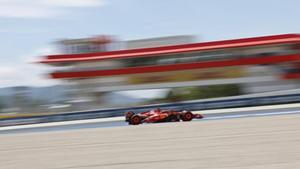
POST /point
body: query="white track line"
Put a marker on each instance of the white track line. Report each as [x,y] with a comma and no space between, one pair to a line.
[53,124]
[254,108]
[253,115]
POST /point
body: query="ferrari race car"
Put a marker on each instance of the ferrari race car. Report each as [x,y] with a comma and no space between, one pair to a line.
[158,116]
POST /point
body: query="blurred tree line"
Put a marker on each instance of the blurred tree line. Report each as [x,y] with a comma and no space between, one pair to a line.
[203,92]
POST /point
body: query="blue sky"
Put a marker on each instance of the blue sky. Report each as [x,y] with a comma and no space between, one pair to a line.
[28,28]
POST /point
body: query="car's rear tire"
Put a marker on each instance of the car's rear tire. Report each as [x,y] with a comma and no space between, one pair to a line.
[128,115]
[187,116]
[135,120]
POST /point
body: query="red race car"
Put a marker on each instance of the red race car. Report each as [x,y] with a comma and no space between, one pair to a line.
[158,116]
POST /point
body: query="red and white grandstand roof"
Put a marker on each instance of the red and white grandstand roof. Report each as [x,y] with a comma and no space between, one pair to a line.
[246,42]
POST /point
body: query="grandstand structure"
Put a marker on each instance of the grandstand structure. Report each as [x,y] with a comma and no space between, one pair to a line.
[91,66]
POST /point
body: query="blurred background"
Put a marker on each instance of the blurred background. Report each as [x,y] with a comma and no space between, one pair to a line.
[61,56]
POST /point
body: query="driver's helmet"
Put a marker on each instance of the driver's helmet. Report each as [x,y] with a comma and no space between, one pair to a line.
[157,110]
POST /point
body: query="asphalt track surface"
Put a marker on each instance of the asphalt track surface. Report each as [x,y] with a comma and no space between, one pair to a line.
[266,140]
[270,142]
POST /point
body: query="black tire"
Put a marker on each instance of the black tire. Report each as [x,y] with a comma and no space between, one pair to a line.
[128,115]
[187,116]
[135,120]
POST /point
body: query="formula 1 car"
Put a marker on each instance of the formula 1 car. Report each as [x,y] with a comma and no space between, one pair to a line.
[158,116]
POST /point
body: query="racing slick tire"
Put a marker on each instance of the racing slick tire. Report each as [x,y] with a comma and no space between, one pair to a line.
[135,120]
[187,116]
[128,115]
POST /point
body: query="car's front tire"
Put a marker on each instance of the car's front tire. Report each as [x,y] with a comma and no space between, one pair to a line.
[187,116]
[135,120]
